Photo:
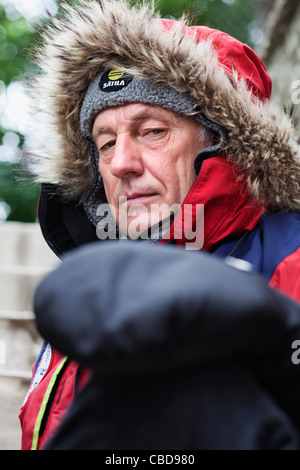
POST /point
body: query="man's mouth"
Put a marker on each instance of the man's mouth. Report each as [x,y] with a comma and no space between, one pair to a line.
[137,198]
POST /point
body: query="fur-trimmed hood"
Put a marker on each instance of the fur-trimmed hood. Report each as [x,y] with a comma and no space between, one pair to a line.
[227,80]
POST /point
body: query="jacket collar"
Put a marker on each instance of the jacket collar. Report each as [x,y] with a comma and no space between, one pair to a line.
[217,206]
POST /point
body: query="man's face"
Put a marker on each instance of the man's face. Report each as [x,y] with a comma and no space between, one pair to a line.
[146,156]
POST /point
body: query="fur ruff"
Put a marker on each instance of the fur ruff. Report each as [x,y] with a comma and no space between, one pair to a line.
[113,34]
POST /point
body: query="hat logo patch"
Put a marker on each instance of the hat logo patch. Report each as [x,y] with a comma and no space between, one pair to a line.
[114,80]
[115,74]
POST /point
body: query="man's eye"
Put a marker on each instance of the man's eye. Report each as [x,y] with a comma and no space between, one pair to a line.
[107,146]
[154,131]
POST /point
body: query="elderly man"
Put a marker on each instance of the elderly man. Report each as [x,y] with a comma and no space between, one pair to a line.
[163,134]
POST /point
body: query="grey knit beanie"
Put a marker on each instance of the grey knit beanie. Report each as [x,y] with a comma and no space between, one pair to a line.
[114,87]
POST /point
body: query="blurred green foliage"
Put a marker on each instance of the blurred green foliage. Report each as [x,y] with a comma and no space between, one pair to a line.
[17,198]
[17,36]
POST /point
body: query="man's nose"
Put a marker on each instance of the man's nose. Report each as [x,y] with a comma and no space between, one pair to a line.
[127,158]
